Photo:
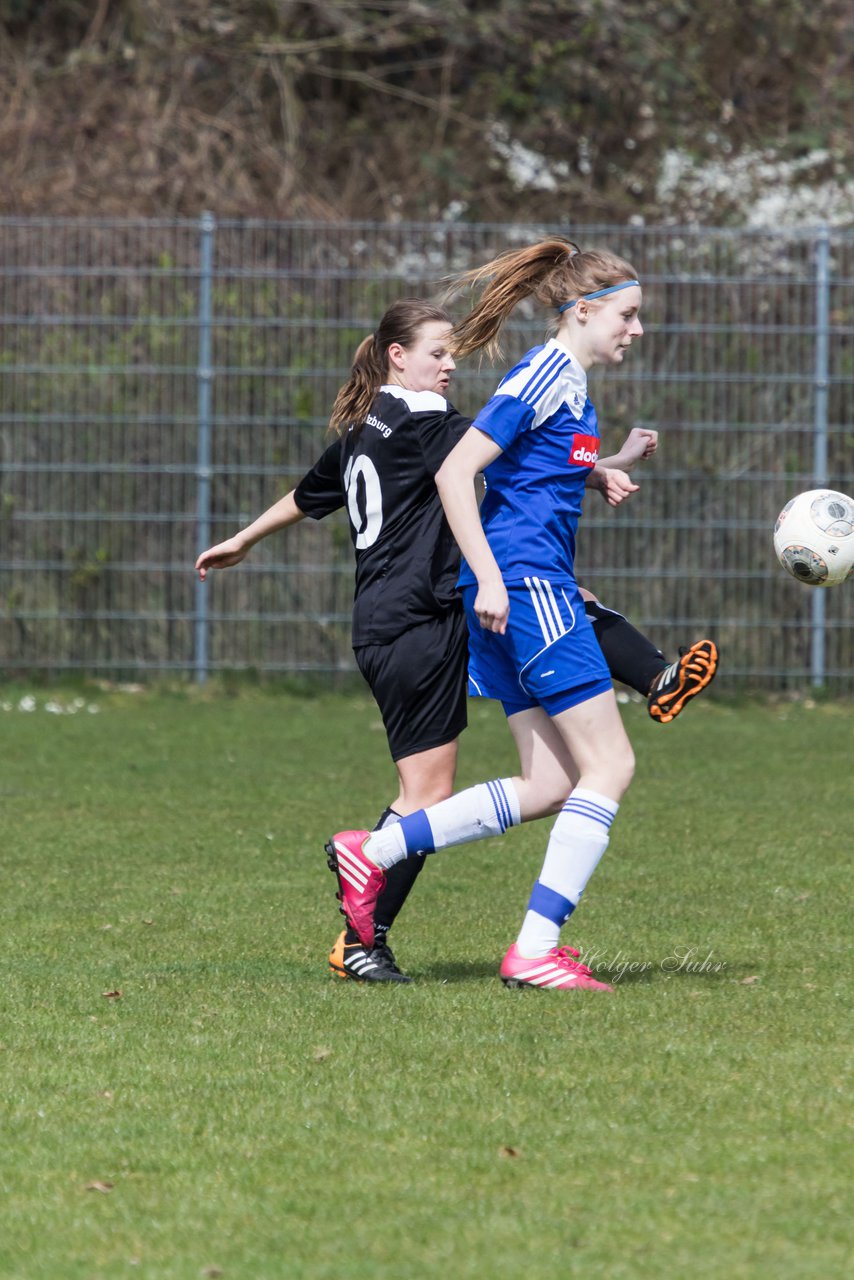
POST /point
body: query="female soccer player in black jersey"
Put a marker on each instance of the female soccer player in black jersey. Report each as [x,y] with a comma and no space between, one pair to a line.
[395,429]
[531,646]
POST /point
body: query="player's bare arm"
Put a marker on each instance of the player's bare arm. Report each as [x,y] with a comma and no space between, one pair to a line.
[455,483]
[640,443]
[226,554]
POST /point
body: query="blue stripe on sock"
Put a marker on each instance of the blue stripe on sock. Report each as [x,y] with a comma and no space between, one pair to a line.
[417,833]
[587,809]
[496,798]
[501,805]
[590,811]
[546,902]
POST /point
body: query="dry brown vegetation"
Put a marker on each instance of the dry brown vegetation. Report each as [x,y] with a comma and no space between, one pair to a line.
[405,108]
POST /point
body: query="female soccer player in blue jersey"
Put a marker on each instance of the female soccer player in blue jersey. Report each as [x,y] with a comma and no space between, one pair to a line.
[395,429]
[531,645]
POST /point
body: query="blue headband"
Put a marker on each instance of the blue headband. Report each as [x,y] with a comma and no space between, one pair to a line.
[600,293]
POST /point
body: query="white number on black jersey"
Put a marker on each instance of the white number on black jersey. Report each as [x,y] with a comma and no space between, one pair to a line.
[364,500]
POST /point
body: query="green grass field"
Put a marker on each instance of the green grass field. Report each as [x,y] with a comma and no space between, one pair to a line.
[188,1093]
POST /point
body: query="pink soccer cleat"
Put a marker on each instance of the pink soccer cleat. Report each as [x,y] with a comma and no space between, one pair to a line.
[359,881]
[558,970]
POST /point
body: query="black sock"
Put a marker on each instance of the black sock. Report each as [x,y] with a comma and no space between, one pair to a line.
[631,657]
[398,885]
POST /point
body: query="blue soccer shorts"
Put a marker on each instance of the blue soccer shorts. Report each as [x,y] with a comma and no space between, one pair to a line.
[548,657]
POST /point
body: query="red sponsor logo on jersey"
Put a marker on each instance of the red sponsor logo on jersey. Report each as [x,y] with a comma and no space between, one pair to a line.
[584,451]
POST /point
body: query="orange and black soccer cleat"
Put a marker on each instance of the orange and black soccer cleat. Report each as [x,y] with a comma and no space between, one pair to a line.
[352,960]
[682,680]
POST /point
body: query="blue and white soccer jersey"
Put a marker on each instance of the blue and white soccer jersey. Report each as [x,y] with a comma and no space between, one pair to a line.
[547,428]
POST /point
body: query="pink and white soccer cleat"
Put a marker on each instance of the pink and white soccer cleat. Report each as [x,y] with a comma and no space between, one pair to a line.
[558,970]
[359,881]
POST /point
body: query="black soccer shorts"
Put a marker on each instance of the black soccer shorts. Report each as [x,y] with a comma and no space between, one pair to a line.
[419,683]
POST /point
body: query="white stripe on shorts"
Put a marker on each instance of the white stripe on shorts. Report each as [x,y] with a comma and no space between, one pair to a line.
[546,608]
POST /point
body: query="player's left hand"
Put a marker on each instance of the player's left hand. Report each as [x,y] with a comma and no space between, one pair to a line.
[614,485]
[641,442]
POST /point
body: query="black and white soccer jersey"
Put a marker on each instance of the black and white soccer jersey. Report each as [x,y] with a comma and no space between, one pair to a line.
[406,558]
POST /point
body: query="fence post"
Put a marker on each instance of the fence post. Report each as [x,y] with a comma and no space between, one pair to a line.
[204,377]
[820,478]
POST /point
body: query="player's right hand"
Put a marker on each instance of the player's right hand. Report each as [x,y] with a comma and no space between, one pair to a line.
[222,556]
[492,606]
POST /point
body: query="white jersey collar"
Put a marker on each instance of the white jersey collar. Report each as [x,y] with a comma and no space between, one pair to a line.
[416,401]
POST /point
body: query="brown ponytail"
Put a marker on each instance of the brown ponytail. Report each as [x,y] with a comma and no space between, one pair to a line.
[354,399]
[402,324]
[553,271]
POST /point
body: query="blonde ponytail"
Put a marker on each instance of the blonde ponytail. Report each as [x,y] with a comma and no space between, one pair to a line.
[552,271]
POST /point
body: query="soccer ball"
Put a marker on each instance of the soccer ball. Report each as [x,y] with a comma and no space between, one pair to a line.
[814,537]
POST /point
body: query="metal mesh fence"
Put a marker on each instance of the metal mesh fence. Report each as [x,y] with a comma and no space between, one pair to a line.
[165,381]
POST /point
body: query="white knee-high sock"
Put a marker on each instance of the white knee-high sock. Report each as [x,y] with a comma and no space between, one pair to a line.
[578,839]
[485,810]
